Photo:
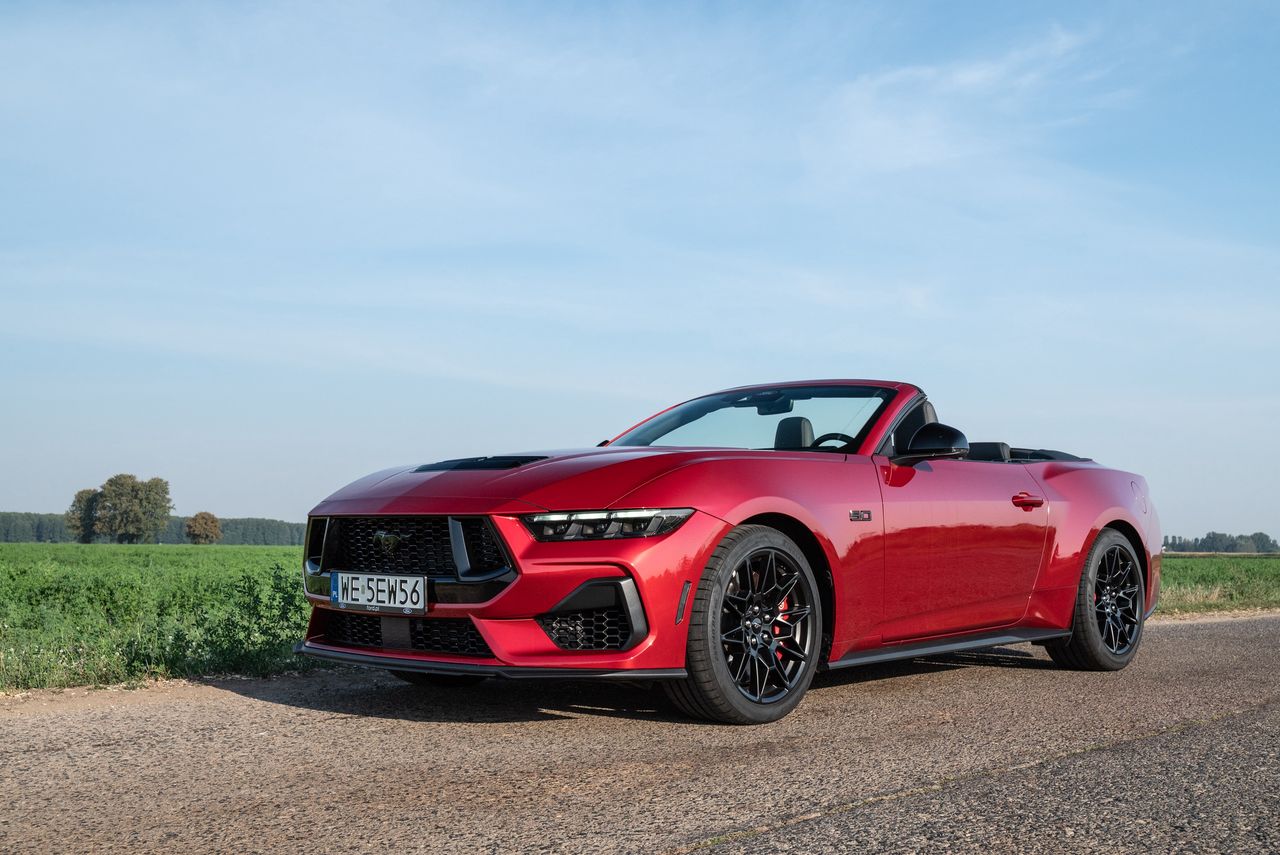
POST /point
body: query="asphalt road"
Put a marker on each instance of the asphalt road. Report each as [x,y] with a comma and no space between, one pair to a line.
[984,752]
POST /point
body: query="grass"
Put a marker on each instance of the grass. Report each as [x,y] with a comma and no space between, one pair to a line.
[1219,583]
[73,614]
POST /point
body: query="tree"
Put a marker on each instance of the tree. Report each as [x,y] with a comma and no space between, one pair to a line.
[82,515]
[132,511]
[156,507]
[1244,543]
[1264,542]
[1216,541]
[204,528]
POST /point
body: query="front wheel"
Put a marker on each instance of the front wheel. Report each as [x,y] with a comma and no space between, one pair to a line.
[755,631]
[1107,626]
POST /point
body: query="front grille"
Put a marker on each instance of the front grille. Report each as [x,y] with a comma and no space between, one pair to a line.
[482,546]
[408,546]
[423,547]
[354,629]
[447,635]
[588,629]
[454,636]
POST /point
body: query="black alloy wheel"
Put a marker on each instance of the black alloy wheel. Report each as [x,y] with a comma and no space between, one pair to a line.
[766,625]
[1109,611]
[755,631]
[1117,600]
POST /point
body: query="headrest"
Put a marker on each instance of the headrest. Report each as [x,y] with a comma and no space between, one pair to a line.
[793,432]
[993,451]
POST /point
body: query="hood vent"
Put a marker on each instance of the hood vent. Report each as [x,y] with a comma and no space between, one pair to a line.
[509,462]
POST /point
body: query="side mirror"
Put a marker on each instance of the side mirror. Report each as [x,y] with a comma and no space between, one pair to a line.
[934,442]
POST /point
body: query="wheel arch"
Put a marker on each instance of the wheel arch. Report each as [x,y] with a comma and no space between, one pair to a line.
[804,538]
[1135,540]
[1085,647]
[1150,586]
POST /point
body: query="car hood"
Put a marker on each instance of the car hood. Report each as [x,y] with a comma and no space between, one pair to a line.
[572,479]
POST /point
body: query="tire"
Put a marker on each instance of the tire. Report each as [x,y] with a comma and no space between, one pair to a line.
[755,631]
[439,681]
[1106,628]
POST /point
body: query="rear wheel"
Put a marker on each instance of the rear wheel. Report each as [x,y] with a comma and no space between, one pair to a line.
[1107,626]
[755,628]
[438,681]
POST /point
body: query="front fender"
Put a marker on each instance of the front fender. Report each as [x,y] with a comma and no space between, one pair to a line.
[817,491]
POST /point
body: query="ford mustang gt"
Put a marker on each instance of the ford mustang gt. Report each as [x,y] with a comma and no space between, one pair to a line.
[730,547]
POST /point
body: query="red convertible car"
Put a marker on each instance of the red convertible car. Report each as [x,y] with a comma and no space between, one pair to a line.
[732,546]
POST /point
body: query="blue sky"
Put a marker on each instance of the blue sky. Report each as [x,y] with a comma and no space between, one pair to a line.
[261,249]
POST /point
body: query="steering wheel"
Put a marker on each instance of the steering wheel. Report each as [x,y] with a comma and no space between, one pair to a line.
[848,440]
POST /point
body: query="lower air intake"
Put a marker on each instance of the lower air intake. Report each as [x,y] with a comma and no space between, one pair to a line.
[588,629]
[458,636]
[354,629]
[451,636]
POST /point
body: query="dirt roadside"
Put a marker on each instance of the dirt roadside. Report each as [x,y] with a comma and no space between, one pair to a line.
[349,760]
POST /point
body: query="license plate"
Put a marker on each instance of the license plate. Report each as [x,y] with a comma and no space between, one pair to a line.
[388,594]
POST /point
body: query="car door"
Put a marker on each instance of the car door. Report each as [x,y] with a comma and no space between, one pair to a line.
[964,540]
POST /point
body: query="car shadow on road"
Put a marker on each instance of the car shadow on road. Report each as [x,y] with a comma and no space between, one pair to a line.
[345,691]
[371,693]
[996,657]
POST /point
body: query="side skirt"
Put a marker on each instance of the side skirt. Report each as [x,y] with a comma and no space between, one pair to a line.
[946,645]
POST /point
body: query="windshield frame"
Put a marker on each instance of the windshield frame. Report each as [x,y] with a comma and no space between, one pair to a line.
[656,427]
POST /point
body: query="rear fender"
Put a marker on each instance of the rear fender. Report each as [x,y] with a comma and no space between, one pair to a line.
[1083,500]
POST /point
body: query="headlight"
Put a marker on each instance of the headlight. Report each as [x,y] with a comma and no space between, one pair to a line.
[605,525]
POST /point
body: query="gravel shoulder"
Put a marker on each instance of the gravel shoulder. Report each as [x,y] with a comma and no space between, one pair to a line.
[1212,616]
[983,751]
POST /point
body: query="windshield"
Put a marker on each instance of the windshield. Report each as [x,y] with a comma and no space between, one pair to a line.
[790,418]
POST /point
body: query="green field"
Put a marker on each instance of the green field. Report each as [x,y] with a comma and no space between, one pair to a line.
[1219,582]
[73,614]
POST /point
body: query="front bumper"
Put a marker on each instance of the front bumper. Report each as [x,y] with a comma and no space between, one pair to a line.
[660,572]
[430,666]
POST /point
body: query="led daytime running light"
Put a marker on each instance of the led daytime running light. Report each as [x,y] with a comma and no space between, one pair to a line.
[605,525]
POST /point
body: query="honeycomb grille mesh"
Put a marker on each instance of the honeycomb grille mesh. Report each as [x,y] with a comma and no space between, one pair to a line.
[458,636]
[454,636]
[422,546]
[353,629]
[588,629]
[482,545]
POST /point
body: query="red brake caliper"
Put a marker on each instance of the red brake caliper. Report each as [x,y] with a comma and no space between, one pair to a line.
[782,607]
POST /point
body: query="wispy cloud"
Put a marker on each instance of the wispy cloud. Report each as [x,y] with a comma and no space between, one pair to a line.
[943,115]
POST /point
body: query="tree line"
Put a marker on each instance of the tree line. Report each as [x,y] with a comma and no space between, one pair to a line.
[126,509]
[1216,541]
[249,531]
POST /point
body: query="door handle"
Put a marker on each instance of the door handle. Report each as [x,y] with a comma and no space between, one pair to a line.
[1026,501]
